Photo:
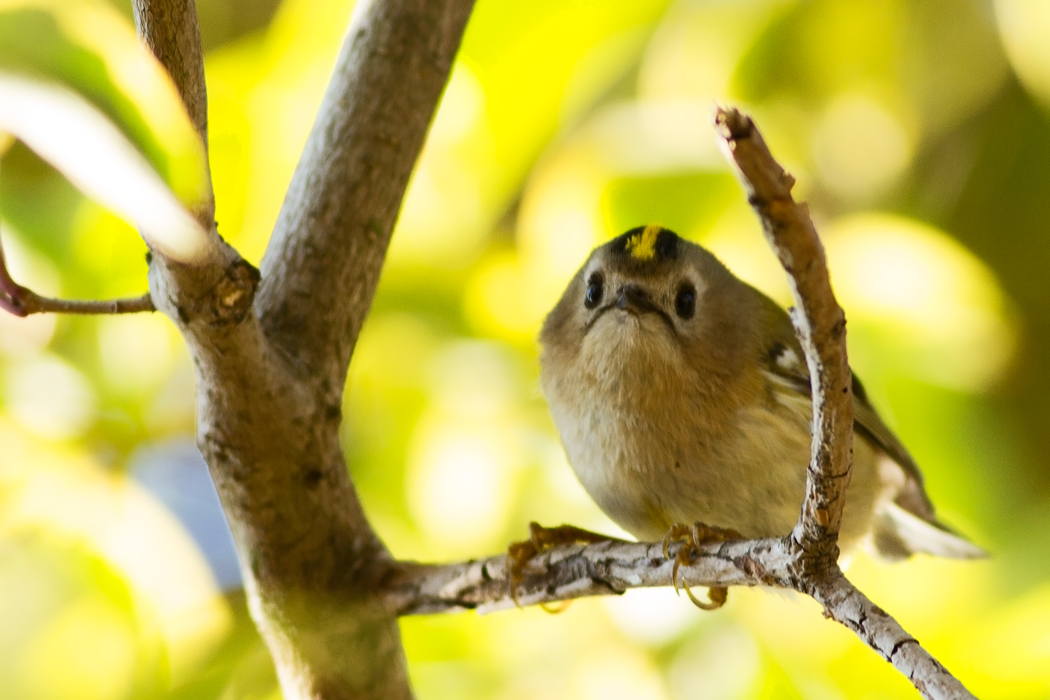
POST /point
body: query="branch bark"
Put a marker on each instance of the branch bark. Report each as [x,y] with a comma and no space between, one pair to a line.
[271,367]
[22,301]
[171,32]
[821,327]
[819,323]
[28,302]
[323,261]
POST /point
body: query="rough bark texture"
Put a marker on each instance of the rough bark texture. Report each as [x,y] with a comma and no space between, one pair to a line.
[271,367]
[844,603]
[271,352]
[577,571]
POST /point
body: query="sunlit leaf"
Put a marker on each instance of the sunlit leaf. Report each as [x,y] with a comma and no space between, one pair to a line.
[88,47]
[79,89]
[78,140]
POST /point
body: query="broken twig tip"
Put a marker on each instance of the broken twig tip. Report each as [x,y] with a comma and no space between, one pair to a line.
[732,124]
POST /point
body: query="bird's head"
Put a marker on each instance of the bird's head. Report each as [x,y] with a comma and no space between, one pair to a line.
[649,297]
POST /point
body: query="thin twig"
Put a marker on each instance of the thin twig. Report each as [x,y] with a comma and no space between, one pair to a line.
[32,303]
[22,301]
[821,327]
[819,323]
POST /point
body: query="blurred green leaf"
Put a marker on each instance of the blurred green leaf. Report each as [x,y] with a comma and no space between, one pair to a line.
[90,151]
[76,87]
[87,47]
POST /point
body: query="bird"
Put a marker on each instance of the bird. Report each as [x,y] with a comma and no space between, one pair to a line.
[681,395]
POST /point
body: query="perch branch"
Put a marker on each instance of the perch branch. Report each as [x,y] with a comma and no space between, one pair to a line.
[610,568]
[806,559]
[573,571]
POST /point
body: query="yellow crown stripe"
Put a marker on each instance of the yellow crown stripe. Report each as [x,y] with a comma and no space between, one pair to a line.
[642,246]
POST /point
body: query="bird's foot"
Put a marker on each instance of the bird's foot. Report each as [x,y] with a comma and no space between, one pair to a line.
[540,540]
[694,536]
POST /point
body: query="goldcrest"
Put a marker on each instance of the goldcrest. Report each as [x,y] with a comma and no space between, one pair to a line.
[681,394]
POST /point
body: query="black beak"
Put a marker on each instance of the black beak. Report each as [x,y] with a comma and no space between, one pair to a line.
[634,299]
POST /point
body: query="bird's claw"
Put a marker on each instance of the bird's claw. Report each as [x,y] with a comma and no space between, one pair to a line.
[692,537]
[540,540]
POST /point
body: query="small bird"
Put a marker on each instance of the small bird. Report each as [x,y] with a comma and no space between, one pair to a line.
[682,395]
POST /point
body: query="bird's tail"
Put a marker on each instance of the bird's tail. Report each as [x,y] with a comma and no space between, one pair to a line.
[898,534]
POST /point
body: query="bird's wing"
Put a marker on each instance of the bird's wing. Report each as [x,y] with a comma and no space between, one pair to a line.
[784,366]
[907,525]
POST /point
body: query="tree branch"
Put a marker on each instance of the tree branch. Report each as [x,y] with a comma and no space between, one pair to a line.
[821,327]
[819,323]
[610,568]
[322,265]
[806,559]
[28,302]
[171,32]
[22,301]
[575,571]
[271,367]
[845,604]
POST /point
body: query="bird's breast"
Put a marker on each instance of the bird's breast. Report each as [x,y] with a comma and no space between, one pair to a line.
[653,447]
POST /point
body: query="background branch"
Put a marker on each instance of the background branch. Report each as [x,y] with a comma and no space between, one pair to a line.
[171,31]
[28,302]
[22,301]
[322,264]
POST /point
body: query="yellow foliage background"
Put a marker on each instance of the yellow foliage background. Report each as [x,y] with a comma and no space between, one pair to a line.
[919,130]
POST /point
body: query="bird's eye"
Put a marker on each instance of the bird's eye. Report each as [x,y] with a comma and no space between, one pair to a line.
[593,296]
[685,302]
